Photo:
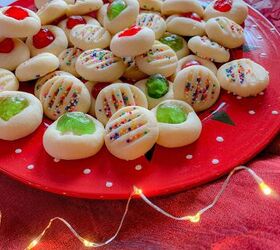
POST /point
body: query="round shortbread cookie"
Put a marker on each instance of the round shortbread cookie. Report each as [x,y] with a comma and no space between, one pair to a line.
[159,59]
[131,132]
[132,42]
[120,15]
[157,89]
[101,14]
[82,7]
[50,38]
[100,66]
[235,10]
[40,3]
[8,81]
[90,36]
[189,24]
[153,21]
[153,5]
[177,43]
[132,72]
[225,32]
[207,49]
[13,52]
[178,124]
[198,86]
[63,94]
[18,22]
[74,136]
[243,77]
[52,11]
[170,7]
[67,60]
[37,67]
[116,96]
[20,114]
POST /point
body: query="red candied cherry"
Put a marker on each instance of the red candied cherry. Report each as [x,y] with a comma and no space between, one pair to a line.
[190,63]
[6,45]
[73,21]
[223,5]
[192,15]
[16,12]
[133,30]
[97,88]
[43,38]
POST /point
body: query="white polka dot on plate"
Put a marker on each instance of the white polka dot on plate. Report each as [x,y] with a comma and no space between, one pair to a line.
[251,112]
[30,167]
[275,112]
[109,184]
[87,171]
[18,151]
[215,161]
[56,160]
[189,157]
[239,97]
[138,167]
[220,139]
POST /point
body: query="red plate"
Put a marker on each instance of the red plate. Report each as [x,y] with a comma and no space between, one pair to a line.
[241,134]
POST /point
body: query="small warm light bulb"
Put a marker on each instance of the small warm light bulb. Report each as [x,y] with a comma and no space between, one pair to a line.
[194,218]
[265,188]
[137,191]
[32,244]
[87,243]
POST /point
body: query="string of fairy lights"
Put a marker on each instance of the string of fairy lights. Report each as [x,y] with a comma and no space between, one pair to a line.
[195,218]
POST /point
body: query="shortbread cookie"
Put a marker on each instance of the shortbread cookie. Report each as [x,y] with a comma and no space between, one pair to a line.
[235,10]
[63,94]
[101,13]
[207,49]
[225,32]
[153,5]
[82,7]
[131,132]
[50,39]
[18,22]
[120,15]
[178,124]
[243,77]
[156,88]
[8,81]
[90,36]
[116,96]
[100,66]
[20,114]
[153,21]
[198,86]
[67,60]
[133,41]
[52,11]
[132,72]
[159,59]
[177,43]
[13,52]
[41,81]
[187,24]
[170,7]
[40,3]
[74,136]
[37,67]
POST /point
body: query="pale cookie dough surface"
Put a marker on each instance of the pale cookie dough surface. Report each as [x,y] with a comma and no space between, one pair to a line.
[37,67]
[123,45]
[238,11]
[185,26]
[70,146]
[8,81]
[153,21]
[40,3]
[63,94]
[19,28]
[131,132]
[159,59]
[173,135]
[198,86]
[19,54]
[101,14]
[126,18]
[82,7]
[132,72]
[24,122]
[100,66]
[116,96]
[243,77]
[207,49]
[51,11]
[90,36]
[59,43]
[170,7]
[153,5]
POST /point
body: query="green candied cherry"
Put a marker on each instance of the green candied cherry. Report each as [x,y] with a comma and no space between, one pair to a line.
[115,8]
[77,123]
[170,113]
[175,42]
[157,86]
[11,106]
